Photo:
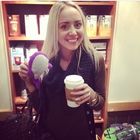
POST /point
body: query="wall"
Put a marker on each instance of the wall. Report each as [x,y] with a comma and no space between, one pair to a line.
[125,65]
[5,90]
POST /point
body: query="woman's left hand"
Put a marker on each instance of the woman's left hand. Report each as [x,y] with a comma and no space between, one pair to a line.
[82,93]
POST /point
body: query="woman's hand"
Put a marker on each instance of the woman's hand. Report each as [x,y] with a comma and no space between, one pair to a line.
[23,73]
[81,94]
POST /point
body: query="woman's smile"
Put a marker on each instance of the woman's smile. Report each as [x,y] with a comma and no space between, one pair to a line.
[72,40]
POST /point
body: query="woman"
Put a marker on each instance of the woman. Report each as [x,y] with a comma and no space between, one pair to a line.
[70,52]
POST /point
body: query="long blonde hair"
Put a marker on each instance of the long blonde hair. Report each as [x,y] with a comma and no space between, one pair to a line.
[50,46]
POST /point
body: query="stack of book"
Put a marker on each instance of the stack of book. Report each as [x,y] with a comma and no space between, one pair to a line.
[104,25]
[20,54]
[37,25]
[43,24]
[91,25]
[101,47]
[33,28]
[31,25]
[30,51]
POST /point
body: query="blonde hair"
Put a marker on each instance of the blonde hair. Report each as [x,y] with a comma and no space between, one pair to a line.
[50,46]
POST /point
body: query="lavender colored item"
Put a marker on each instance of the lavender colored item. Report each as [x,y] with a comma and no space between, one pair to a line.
[38,67]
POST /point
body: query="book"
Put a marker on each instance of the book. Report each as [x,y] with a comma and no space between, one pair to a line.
[14,25]
[43,24]
[30,51]
[101,47]
[91,25]
[31,25]
[104,25]
[17,55]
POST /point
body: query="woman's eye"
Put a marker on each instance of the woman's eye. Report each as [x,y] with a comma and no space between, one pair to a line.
[64,27]
[78,25]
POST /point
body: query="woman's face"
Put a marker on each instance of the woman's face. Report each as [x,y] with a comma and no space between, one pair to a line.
[70,29]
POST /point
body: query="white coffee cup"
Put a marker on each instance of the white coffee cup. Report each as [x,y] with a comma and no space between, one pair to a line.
[72,81]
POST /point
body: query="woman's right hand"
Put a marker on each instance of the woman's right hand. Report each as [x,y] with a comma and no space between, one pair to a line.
[23,73]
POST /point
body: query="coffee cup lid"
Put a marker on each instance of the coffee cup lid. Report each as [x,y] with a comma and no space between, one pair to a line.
[73,79]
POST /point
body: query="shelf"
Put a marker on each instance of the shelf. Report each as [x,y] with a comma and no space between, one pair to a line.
[79,2]
[19,101]
[40,38]
[15,68]
[99,120]
[25,38]
[100,38]
[15,71]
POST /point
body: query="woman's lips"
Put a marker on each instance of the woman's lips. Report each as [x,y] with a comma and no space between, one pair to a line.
[72,40]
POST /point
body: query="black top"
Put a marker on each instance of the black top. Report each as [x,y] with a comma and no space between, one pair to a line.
[66,123]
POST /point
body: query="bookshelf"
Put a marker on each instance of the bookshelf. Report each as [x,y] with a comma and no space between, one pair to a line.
[22,8]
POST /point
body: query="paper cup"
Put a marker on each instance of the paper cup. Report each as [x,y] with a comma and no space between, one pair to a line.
[72,81]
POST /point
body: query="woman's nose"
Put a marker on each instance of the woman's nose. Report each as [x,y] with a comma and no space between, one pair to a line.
[72,31]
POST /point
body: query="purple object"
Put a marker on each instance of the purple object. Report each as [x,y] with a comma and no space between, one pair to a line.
[38,66]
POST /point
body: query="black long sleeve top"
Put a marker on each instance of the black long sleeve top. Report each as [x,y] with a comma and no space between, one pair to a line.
[66,123]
